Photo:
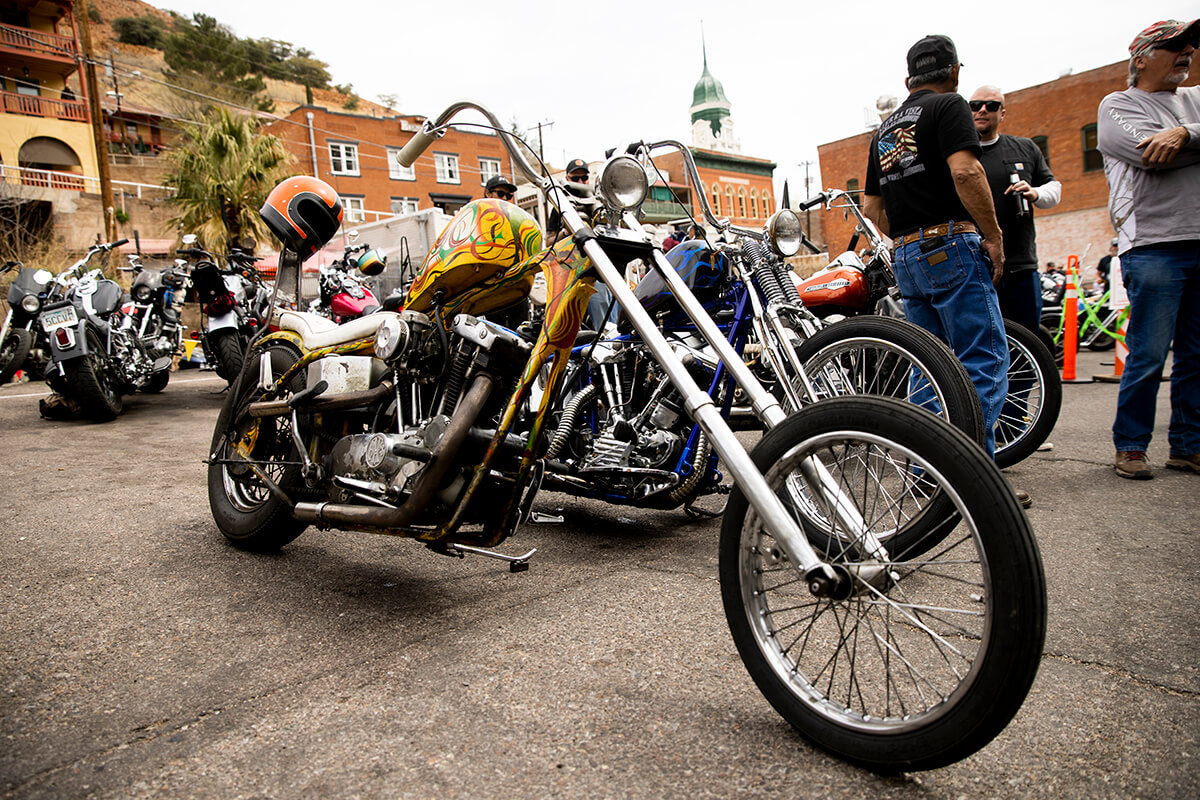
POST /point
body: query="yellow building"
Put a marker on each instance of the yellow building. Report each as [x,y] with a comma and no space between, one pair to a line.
[45,127]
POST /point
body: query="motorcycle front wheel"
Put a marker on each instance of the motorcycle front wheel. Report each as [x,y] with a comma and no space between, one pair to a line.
[13,352]
[90,384]
[928,653]
[227,354]
[872,355]
[1034,398]
[244,449]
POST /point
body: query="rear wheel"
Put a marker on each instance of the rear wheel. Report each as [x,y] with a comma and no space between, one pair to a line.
[244,451]
[90,383]
[926,654]
[1034,398]
[227,353]
[873,355]
[13,352]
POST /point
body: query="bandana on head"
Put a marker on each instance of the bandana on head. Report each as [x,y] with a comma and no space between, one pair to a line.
[1157,33]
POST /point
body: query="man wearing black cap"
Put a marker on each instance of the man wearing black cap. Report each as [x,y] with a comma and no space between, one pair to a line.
[1149,136]
[500,188]
[927,190]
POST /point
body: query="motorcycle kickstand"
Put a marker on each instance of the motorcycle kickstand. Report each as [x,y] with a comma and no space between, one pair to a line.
[694,512]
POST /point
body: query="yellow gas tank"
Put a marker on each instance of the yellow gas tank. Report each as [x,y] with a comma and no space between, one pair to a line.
[478,263]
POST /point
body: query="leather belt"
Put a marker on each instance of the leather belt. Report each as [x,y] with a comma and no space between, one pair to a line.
[945,229]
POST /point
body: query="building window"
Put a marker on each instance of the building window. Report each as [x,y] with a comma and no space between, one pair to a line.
[716,199]
[404,205]
[397,172]
[447,167]
[729,199]
[852,186]
[754,202]
[353,208]
[766,204]
[741,203]
[488,169]
[1043,144]
[343,158]
[1092,159]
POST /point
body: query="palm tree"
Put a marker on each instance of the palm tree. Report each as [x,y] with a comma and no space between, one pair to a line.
[222,171]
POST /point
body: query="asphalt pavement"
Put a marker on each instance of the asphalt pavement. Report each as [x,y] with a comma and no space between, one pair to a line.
[141,656]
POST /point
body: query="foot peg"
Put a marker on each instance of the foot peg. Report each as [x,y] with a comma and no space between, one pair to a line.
[515,563]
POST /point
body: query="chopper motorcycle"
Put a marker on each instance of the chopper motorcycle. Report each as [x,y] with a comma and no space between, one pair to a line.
[857,286]
[95,353]
[414,424]
[156,299]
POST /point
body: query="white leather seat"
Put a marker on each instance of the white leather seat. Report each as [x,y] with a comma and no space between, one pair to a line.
[317,331]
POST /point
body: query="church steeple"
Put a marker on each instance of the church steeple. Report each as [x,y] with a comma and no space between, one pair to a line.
[712,125]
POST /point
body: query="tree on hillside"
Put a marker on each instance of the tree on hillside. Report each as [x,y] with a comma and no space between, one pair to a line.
[222,170]
[146,31]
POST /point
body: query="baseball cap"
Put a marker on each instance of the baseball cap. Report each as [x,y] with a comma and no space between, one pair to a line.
[1160,32]
[499,181]
[932,52]
[576,165]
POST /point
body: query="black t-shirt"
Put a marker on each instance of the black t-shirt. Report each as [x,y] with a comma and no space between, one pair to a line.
[907,163]
[1012,154]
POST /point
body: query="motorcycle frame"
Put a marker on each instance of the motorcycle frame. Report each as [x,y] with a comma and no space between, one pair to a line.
[696,402]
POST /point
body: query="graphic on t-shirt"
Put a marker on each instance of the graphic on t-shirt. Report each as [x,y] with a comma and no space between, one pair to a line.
[898,147]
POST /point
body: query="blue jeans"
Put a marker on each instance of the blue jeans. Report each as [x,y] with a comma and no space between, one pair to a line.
[1163,283]
[1020,296]
[949,292]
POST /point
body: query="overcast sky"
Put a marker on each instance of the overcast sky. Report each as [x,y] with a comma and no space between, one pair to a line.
[604,73]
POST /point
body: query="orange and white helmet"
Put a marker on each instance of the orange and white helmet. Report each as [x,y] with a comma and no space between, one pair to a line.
[304,213]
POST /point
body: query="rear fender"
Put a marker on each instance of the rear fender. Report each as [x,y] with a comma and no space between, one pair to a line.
[217,322]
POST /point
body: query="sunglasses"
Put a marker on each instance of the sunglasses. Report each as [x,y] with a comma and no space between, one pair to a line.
[502,194]
[990,105]
[578,178]
[1175,45]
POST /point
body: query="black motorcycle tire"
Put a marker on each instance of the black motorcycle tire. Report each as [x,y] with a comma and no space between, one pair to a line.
[965,623]
[1046,335]
[227,353]
[1028,360]
[904,340]
[90,384]
[247,513]
[13,352]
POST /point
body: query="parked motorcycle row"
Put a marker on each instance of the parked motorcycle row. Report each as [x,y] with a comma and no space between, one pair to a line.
[880,581]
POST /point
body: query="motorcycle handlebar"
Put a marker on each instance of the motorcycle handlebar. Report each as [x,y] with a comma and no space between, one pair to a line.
[813,201]
[418,144]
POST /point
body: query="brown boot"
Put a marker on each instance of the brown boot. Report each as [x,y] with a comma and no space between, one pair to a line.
[1132,464]
[1182,462]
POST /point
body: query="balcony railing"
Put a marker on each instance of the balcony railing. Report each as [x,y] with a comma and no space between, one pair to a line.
[37,41]
[51,179]
[34,106]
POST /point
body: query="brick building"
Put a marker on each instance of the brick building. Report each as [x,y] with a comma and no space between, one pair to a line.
[1061,117]
[356,155]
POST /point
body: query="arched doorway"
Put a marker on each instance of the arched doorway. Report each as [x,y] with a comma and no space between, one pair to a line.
[42,156]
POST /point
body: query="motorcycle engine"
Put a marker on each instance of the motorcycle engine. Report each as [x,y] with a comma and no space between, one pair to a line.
[381,465]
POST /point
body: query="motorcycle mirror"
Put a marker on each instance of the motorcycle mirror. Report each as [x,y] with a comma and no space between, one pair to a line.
[189,239]
[352,234]
[248,244]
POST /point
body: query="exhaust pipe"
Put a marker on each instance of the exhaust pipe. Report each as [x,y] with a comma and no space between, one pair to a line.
[342,515]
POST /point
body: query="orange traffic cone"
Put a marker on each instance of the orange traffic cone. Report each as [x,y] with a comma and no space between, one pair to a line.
[1071,323]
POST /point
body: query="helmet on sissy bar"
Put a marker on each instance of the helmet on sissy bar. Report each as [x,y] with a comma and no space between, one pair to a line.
[304,213]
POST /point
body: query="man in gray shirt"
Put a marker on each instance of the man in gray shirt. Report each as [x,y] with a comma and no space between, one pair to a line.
[1149,136]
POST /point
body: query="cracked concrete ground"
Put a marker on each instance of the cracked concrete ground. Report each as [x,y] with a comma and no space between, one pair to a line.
[142,657]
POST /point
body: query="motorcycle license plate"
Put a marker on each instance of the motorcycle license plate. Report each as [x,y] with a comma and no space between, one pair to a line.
[59,318]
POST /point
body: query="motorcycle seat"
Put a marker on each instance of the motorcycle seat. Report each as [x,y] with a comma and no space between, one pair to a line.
[317,331]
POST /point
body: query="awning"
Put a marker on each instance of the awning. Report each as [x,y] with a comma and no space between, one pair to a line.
[44,150]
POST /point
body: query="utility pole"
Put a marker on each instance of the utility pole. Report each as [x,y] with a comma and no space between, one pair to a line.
[92,87]
[807,194]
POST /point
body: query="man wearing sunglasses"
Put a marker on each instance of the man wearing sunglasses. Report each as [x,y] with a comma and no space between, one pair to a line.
[1149,136]
[1019,179]
[500,187]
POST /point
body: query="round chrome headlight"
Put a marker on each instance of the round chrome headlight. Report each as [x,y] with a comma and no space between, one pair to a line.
[142,293]
[390,338]
[30,303]
[783,232]
[623,183]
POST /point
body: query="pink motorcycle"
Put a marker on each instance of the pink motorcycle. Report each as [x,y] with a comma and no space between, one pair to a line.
[345,293]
